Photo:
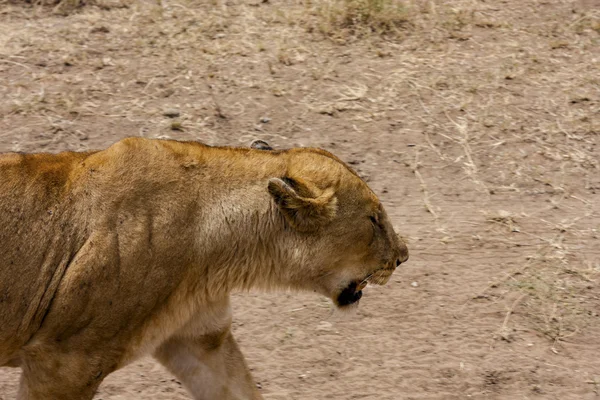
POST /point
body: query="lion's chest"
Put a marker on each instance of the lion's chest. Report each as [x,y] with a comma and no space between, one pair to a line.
[180,316]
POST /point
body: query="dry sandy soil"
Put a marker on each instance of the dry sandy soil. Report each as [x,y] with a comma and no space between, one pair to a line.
[477,123]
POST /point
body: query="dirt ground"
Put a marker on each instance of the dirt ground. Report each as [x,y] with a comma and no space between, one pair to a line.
[477,123]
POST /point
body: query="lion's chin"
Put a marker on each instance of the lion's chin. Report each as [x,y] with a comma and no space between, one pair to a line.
[350,295]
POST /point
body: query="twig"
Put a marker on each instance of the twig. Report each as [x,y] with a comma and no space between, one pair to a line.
[471,169]
[423,186]
[496,283]
[16,63]
[435,149]
[510,311]
[218,110]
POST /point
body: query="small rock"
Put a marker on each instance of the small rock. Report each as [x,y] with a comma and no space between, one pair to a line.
[414,284]
[100,29]
[168,92]
[171,113]
[265,120]
[324,326]
[328,110]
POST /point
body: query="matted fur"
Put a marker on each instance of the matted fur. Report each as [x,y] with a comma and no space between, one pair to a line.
[107,256]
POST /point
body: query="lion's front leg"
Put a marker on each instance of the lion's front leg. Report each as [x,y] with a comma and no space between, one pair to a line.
[210,366]
[56,376]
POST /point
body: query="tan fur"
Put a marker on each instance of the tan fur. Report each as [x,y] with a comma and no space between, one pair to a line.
[107,256]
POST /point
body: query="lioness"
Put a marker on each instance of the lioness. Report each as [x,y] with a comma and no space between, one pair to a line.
[107,256]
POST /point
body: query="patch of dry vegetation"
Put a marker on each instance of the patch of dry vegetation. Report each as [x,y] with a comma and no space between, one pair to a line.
[66,7]
[360,17]
[556,292]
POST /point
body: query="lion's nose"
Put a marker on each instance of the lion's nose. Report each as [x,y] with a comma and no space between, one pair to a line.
[402,253]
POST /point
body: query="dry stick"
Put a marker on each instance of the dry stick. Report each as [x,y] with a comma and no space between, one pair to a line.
[354,93]
[497,283]
[464,143]
[510,311]
[16,63]
[547,241]
[218,110]
[551,243]
[423,187]
[66,4]
[435,149]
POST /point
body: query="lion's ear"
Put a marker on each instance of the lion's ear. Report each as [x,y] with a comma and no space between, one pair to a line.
[260,145]
[303,205]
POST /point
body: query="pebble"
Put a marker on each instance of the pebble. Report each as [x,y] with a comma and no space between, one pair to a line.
[171,113]
[414,284]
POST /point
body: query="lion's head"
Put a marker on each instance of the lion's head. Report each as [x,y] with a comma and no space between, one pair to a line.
[343,238]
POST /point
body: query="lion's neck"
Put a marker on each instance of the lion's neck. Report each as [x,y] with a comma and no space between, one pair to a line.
[242,245]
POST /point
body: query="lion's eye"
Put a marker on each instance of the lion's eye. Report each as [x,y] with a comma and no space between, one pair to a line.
[375,228]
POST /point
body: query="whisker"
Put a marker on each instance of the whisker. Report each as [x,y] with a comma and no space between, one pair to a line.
[366,280]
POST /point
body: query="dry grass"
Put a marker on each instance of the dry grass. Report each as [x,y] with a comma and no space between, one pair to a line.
[66,7]
[360,17]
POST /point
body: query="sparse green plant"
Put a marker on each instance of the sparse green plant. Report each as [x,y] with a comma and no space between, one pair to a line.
[176,126]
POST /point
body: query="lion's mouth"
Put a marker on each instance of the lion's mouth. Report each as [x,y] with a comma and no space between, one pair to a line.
[350,295]
[353,292]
